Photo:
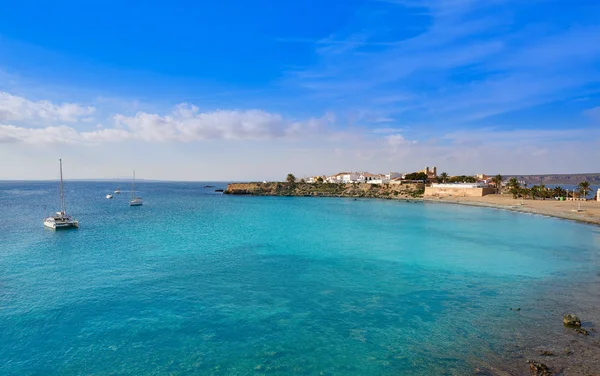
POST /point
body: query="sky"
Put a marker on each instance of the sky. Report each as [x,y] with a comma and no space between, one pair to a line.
[253,90]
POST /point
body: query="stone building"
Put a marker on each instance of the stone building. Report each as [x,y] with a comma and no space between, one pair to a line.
[458,190]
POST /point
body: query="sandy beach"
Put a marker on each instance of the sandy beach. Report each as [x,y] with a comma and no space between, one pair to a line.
[589,211]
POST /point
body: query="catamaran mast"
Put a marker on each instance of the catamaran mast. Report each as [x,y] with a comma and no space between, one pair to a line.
[62,193]
[133,186]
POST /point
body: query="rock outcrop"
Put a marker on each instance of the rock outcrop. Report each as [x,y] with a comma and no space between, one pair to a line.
[571,320]
[356,190]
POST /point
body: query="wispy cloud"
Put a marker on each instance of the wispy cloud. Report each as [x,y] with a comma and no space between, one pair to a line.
[472,62]
[15,108]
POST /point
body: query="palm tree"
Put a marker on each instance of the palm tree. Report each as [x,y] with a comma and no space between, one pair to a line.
[584,188]
[533,191]
[559,191]
[444,177]
[514,187]
[497,181]
[542,191]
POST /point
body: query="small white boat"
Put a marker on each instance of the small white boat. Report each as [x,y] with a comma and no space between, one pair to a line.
[109,196]
[118,190]
[61,220]
[134,201]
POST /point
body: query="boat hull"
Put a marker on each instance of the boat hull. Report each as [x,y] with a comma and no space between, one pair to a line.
[61,225]
[135,202]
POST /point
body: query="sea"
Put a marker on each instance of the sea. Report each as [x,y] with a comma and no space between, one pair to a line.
[197,282]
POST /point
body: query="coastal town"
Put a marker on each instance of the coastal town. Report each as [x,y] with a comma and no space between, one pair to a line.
[428,183]
[579,202]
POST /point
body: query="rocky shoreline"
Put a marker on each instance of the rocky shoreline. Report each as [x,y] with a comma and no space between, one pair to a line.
[352,190]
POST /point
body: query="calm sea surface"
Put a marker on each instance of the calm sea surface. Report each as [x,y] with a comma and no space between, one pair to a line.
[195,282]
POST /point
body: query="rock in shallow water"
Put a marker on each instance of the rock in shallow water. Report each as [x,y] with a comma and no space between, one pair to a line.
[539,369]
[571,320]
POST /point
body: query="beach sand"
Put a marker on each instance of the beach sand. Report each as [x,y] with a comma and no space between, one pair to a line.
[589,210]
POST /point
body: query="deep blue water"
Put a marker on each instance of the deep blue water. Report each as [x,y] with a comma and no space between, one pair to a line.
[195,282]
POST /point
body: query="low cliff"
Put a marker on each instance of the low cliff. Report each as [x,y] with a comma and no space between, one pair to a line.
[327,189]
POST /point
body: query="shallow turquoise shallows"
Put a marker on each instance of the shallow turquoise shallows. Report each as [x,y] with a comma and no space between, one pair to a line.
[195,282]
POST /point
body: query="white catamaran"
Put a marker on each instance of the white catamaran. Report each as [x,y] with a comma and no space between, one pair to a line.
[135,201]
[61,220]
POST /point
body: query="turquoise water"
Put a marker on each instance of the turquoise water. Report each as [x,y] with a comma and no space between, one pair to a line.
[195,282]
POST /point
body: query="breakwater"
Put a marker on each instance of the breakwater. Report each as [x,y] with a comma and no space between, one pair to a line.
[390,190]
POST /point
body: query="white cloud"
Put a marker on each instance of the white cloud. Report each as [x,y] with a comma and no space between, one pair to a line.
[58,135]
[15,108]
[184,124]
[395,139]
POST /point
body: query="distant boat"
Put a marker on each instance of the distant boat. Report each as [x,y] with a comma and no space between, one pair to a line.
[218,190]
[61,220]
[118,190]
[109,196]
[134,201]
[209,186]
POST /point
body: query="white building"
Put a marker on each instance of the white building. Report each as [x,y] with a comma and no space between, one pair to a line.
[392,175]
[378,179]
[351,177]
[343,178]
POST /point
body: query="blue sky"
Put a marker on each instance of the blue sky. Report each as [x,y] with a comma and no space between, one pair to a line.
[255,89]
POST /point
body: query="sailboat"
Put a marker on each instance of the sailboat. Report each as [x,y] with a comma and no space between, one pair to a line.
[118,190]
[134,201]
[61,220]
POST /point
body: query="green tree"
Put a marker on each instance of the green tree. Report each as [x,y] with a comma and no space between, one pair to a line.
[534,191]
[320,180]
[444,177]
[559,191]
[514,187]
[416,176]
[302,181]
[291,178]
[584,188]
[497,181]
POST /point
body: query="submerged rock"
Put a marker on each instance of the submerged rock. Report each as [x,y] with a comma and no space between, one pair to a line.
[582,331]
[539,369]
[546,353]
[571,320]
